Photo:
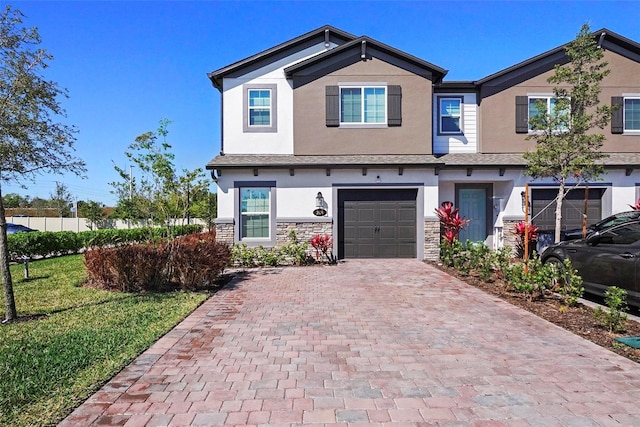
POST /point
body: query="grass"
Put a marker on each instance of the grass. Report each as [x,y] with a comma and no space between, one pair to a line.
[50,364]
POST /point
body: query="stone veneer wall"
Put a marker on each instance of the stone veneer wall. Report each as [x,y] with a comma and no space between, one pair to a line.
[224,233]
[304,230]
[432,239]
[509,239]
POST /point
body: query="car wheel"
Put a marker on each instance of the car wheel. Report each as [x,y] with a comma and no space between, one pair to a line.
[561,278]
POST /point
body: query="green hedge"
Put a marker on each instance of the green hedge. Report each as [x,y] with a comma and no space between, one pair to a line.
[40,244]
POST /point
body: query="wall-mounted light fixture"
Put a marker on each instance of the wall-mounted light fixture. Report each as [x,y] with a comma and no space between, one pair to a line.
[320,209]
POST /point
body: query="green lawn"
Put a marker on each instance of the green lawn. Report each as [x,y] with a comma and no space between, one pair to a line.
[51,364]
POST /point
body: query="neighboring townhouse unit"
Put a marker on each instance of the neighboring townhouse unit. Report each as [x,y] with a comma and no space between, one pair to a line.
[376,138]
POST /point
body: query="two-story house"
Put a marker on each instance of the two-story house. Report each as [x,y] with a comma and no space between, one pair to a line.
[330,133]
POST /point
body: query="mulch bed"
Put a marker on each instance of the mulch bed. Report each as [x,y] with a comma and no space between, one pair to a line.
[578,319]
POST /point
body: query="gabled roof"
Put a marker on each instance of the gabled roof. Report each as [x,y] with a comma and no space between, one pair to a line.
[363,48]
[311,38]
[524,70]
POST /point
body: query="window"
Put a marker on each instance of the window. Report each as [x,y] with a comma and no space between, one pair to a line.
[260,108]
[450,110]
[631,114]
[255,208]
[363,105]
[550,103]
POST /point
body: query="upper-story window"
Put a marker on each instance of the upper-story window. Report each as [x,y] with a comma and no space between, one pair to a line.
[363,105]
[450,115]
[632,114]
[545,105]
[260,108]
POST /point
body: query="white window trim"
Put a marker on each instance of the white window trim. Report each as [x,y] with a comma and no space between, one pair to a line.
[626,131]
[440,115]
[262,107]
[362,87]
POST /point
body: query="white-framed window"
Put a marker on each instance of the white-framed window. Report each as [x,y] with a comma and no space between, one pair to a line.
[631,115]
[450,115]
[255,213]
[363,105]
[550,109]
[260,106]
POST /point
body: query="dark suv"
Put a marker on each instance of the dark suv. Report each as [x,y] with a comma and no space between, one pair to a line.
[613,220]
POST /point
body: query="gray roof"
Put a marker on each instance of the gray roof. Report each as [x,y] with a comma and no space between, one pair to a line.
[452,160]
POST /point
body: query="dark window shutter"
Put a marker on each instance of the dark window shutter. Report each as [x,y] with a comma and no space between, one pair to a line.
[394,109]
[617,123]
[522,114]
[332,106]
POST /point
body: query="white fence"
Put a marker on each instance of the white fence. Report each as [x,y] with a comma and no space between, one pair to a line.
[77,224]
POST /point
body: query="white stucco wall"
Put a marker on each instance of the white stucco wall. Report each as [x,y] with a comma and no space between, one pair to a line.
[281,142]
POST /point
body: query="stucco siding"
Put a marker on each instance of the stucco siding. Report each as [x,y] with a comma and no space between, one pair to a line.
[497,112]
[313,137]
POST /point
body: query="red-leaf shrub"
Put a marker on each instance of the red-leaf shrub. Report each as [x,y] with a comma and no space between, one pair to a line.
[451,221]
[636,207]
[519,230]
[190,262]
[198,260]
[132,268]
[322,244]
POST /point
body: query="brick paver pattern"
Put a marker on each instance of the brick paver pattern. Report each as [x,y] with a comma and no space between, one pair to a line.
[382,342]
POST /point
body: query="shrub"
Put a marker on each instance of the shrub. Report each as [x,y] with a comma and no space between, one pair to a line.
[450,221]
[131,268]
[568,283]
[481,259]
[323,245]
[295,251]
[519,231]
[531,277]
[450,251]
[191,262]
[615,317]
[197,260]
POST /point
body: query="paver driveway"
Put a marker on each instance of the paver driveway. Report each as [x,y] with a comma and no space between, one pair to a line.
[388,342]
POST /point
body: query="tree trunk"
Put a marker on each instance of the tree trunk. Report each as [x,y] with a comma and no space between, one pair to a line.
[7,283]
[559,201]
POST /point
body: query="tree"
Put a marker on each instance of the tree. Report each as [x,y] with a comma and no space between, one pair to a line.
[204,205]
[61,200]
[567,148]
[14,200]
[94,213]
[32,138]
[161,195]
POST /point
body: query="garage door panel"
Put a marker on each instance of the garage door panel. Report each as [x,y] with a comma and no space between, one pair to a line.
[377,223]
[543,208]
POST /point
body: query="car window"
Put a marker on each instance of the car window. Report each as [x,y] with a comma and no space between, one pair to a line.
[626,234]
[620,218]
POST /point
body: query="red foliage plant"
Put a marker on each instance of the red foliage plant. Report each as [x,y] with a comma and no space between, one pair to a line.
[636,207]
[189,262]
[520,228]
[451,221]
[322,244]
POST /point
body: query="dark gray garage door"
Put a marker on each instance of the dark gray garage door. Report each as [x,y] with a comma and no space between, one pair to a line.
[572,208]
[377,223]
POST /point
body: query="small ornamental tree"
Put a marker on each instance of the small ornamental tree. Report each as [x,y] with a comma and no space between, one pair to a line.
[323,245]
[567,148]
[636,207]
[451,221]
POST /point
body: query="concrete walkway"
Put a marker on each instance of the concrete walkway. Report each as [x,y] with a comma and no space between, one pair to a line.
[366,343]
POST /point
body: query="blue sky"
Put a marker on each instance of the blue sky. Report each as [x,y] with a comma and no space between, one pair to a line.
[127,65]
